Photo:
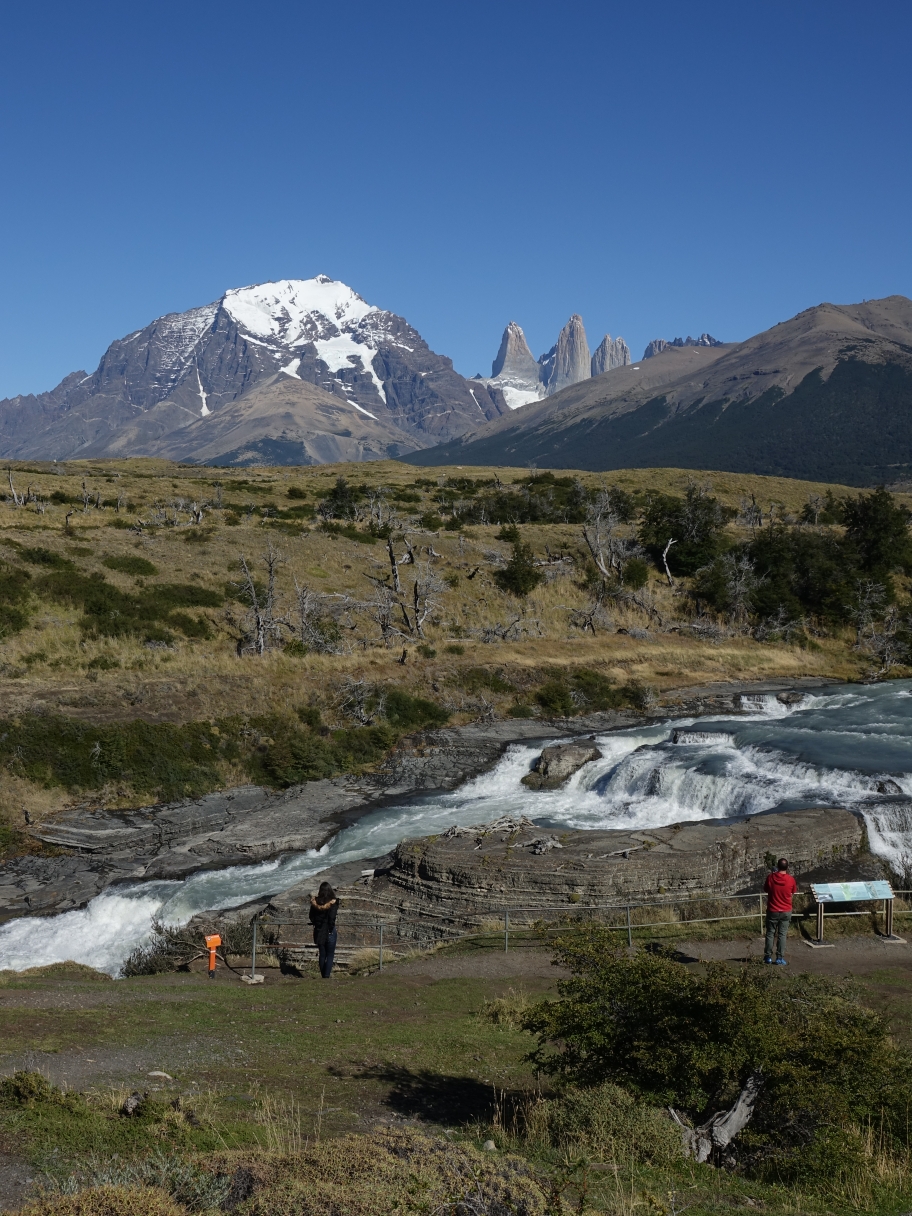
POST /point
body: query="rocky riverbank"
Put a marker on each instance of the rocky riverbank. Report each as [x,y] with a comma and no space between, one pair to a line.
[97,848]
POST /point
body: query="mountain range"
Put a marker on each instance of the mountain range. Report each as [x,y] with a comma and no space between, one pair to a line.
[826,396]
[306,372]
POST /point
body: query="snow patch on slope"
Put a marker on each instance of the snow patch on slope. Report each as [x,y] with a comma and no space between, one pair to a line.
[205,411]
[337,353]
[516,398]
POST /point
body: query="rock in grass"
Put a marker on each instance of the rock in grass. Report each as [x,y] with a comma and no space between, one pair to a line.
[556,764]
[133,1106]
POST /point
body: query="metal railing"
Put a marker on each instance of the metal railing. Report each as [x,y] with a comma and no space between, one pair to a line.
[572,916]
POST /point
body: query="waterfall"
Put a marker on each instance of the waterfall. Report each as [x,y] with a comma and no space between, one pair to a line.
[843,747]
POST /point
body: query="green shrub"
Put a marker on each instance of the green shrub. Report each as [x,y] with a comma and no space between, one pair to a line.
[520,576]
[103,662]
[129,564]
[426,651]
[636,573]
[693,1038]
[296,492]
[473,679]
[154,758]
[431,521]
[28,1088]
[406,712]
[190,626]
[14,589]
[119,522]
[556,699]
[39,556]
[509,532]
[454,648]
[606,1123]
[110,612]
[521,711]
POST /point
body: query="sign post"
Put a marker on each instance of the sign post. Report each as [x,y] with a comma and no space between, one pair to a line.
[851,892]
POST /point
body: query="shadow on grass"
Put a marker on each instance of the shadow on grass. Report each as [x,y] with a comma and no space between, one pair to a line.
[439,1098]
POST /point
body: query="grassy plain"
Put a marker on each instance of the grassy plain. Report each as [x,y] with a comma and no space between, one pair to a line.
[281,1066]
[483,649]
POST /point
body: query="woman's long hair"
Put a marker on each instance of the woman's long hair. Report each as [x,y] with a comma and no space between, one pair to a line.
[326,894]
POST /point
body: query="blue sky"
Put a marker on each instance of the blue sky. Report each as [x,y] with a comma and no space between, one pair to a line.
[661,169]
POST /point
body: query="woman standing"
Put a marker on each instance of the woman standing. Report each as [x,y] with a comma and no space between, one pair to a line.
[323,908]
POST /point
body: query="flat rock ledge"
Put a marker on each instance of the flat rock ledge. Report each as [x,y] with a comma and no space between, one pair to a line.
[433,887]
[96,849]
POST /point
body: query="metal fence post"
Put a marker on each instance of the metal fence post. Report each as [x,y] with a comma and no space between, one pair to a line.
[380,968]
[629,931]
[760,899]
[506,930]
[256,921]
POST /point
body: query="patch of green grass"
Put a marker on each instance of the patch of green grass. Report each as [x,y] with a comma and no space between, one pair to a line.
[130,564]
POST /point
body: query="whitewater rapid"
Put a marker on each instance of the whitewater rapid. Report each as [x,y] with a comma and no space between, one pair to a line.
[849,746]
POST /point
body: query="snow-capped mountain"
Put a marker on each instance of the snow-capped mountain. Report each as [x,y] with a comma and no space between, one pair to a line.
[155,382]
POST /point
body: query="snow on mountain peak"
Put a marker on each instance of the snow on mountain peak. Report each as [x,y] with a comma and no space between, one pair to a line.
[295,311]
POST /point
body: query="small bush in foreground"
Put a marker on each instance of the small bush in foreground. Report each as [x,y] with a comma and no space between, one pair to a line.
[676,1037]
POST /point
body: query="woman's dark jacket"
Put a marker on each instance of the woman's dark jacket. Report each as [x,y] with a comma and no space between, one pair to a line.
[323,919]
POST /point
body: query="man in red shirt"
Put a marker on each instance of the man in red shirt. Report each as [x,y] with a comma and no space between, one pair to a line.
[779,888]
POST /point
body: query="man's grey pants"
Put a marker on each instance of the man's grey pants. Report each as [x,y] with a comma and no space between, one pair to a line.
[777,927]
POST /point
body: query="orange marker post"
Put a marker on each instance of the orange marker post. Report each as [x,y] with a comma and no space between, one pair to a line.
[213,941]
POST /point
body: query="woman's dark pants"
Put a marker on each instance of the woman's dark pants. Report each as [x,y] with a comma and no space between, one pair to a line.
[327,953]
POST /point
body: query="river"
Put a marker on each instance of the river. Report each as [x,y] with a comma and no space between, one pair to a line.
[849,746]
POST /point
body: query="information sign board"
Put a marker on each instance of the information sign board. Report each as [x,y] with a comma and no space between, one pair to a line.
[844,892]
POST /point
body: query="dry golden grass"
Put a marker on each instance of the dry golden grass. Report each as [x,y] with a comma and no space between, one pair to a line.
[52,666]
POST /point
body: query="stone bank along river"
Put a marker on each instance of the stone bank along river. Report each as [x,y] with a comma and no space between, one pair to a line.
[850,746]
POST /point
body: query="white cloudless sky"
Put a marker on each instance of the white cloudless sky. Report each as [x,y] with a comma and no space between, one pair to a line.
[660,169]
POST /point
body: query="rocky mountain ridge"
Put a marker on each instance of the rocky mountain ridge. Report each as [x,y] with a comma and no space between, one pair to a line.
[522,378]
[368,364]
[657,345]
[823,396]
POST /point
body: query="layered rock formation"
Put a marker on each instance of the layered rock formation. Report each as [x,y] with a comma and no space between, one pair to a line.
[610,355]
[464,879]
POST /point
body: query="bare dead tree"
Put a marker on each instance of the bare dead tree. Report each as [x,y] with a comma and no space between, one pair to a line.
[196,512]
[262,627]
[378,508]
[418,604]
[394,565]
[587,618]
[121,501]
[750,513]
[317,618]
[708,1141]
[66,522]
[361,702]
[868,604]
[86,499]
[381,609]
[17,498]
[665,552]
[601,533]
